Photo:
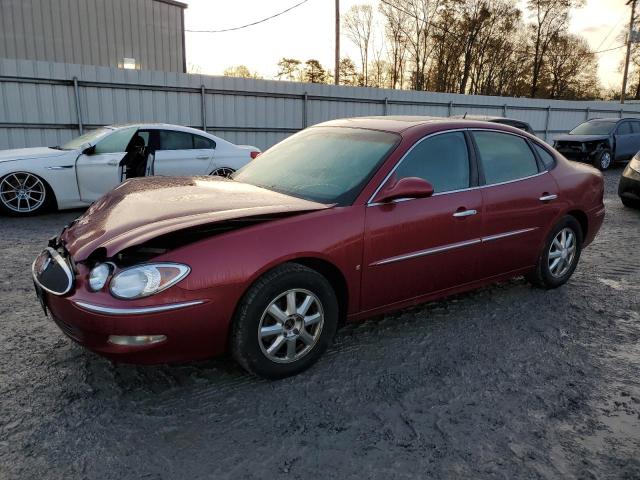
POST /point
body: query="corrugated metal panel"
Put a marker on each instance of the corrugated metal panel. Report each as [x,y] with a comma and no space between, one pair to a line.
[38,106]
[94,32]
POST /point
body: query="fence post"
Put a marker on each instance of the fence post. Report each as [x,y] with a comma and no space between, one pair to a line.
[504,110]
[587,114]
[76,91]
[203,98]
[305,101]
[621,113]
[546,126]
[386,105]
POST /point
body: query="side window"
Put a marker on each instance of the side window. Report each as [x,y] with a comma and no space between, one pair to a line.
[203,143]
[172,140]
[624,128]
[635,126]
[545,156]
[504,157]
[116,142]
[442,160]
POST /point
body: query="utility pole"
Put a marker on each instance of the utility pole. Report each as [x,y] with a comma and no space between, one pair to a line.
[337,66]
[629,38]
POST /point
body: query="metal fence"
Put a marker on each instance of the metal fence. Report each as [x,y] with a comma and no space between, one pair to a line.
[49,103]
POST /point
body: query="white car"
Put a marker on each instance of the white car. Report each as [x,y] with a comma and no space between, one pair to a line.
[79,172]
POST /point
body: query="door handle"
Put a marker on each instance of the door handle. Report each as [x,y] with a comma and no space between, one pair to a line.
[548,197]
[465,213]
[113,162]
[204,157]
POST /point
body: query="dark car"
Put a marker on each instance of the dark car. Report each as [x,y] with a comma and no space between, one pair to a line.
[519,124]
[601,141]
[629,188]
[342,221]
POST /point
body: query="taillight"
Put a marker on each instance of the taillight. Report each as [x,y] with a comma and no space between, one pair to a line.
[254,154]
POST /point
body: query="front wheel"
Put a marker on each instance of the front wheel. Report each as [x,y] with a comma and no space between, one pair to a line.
[23,194]
[602,160]
[560,254]
[285,322]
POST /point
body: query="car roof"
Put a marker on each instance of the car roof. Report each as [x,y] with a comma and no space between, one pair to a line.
[401,123]
[487,118]
[609,120]
[168,126]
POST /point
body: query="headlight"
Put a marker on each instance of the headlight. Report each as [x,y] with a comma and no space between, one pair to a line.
[99,275]
[148,279]
[635,163]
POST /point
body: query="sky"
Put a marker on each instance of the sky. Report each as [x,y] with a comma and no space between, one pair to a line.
[308,32]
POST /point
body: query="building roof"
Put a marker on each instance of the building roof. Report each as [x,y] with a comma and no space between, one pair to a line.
[175,3]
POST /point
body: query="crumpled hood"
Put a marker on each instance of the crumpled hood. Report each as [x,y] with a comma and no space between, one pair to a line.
[28,153]
[144,208]
[580,138]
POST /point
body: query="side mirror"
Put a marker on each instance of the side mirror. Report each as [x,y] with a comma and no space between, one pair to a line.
[89,150]
[409,187]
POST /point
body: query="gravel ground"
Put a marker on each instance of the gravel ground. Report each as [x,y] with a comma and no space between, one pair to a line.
[504,382]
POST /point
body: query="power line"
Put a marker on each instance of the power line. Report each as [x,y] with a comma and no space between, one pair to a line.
[249,24]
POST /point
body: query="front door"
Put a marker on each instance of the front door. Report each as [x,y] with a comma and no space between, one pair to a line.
[100,170]
[176,154]
[626,141]
[520,202]
[417,246]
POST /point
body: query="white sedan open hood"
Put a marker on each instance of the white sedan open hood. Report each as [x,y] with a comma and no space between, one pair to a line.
[30,153]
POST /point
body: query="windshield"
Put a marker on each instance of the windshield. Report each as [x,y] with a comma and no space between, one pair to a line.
[322,164]
[593,128]
[89,137]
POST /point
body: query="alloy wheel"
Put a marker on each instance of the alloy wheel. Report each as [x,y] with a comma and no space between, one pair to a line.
[223,172]
[562,252]
[22,192]
[605,160]
[290,326]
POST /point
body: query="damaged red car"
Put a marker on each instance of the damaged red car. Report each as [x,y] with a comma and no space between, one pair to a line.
[342,221]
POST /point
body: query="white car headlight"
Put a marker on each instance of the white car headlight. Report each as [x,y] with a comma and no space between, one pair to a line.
[99,275]
[635,163]
[149,279]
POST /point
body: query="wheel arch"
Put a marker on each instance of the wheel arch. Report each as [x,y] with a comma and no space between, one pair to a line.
[582,219]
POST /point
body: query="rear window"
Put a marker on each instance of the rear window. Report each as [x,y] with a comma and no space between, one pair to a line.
[504,157]
[545,156]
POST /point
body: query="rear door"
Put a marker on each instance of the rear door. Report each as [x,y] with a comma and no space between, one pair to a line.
[176,154]
[626,141]
[520,202]
[100,170]
[417,246]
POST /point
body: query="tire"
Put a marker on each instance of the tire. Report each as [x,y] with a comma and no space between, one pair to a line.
[256,330]
[223,172]
[23,194]
[544,276]
[603,160]
[630,203]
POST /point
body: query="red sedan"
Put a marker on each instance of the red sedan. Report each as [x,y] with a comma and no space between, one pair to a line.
[342,221]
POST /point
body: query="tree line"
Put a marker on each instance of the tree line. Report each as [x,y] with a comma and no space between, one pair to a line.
[480,47]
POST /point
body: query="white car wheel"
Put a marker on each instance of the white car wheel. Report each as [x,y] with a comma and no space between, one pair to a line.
[22,193]
[223,172]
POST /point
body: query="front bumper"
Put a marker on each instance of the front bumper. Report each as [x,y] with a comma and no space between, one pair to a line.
[629,186]
[191,333]
[174,325]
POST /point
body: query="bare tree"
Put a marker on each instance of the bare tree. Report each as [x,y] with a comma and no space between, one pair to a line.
[240,71]
[358,23]
[394,29]
[551,18]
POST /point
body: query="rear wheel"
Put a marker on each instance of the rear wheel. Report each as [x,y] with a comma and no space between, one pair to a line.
[285,322]
[559,256]
[603,160]
[24,194]
[223,172]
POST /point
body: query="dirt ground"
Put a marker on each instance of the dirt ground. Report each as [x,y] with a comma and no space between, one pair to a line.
[504,382]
